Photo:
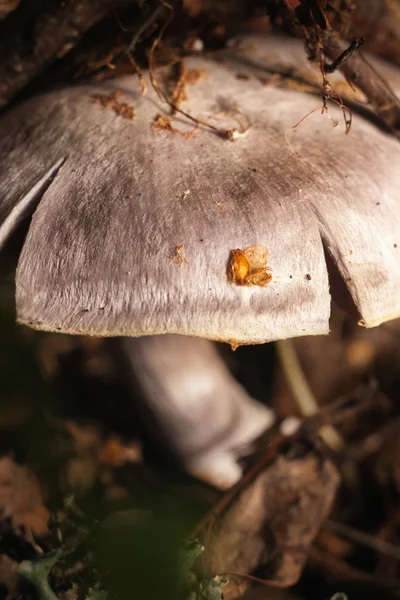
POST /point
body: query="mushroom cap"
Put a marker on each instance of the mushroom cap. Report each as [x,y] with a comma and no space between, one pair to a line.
[135,225]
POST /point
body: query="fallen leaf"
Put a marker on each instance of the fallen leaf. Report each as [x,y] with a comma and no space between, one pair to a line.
[270,525]
[20,498]
[8,574]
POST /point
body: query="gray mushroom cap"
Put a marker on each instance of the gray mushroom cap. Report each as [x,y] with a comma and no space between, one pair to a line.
[119,203]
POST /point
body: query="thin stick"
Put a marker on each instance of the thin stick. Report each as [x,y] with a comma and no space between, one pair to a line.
[321,108]
[361,73]
[265,582]
[346,54]
[230,134]
[329,92]
[302,393]
[139,73]
[136,38]
[329,563]
[364,539]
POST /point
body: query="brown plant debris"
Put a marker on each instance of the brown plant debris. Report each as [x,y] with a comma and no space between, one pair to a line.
[194,75]
[20,499]
[178,258]
[139,72]
[249,267]
[182,76]
[7,6]
[329,92]
[360,72]
[271,522]
[323,40]
[179,93]
[229,134]
[309,11]
[345,55]
[164,123]
[112,102]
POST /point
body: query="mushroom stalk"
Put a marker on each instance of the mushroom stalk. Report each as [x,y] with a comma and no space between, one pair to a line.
[189,401]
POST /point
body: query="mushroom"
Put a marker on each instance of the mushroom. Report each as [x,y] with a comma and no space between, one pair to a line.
[144,223]
[189,403]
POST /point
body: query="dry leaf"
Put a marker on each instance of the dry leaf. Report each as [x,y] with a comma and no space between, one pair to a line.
[20,498]
[270,525]
[8,574]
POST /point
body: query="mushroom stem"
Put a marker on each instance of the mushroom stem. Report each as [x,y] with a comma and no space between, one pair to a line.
[189,402]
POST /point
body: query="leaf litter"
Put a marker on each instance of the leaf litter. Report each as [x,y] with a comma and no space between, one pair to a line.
[113,102]
[267,531]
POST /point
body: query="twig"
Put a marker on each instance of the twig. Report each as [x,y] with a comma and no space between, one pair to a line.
[139,73]
[321,108]
[265,582]
[142,29]
[302,393]
[364,539]
[338,568]
[230,134]
[361,73]
[329,92]
[346,54]
[129,50]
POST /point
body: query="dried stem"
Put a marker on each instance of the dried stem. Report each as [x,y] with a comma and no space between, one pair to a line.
[230,134]
[361,73]
[363,539]
[302,393]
